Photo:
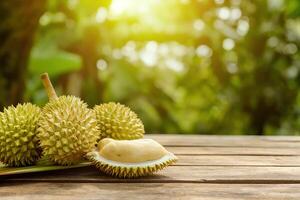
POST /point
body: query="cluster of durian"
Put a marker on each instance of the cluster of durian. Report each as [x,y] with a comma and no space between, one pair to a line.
[66,131]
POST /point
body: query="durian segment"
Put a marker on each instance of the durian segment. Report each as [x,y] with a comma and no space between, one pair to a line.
[131,159]
[67,130]
[19,145]
[118,122]
[131,151]
[104,142]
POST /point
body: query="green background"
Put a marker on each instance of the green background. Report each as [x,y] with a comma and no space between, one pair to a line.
[189,67]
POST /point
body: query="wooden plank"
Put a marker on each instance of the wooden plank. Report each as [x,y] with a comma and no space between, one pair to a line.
[213,160]
[272,138]
[209,168]
[140,191]
[228,141]
[191,174]
[251,151]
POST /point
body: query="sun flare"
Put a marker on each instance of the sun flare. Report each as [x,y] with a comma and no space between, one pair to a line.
[132,7]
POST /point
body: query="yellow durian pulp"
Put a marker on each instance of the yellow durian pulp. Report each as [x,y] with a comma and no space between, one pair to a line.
[130,158]
[131,151]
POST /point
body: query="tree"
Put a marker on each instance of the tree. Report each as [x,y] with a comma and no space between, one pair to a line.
[19,21]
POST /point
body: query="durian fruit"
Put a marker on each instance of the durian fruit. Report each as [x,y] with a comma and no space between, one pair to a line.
[19,145]
[118,122]
[67,128]
[130,158]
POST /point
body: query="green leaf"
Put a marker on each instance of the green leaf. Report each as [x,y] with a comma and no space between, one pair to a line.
[293,8]
[53,61]
[42,165]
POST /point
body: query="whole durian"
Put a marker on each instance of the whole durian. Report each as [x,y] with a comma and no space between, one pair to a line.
[130,158]
[67,128]
[118,122]
[19,145]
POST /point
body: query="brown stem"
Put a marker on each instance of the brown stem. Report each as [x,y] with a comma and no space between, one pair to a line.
[48,86]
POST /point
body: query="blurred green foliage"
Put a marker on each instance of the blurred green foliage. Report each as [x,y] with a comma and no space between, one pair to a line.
[52,60]
[185,66]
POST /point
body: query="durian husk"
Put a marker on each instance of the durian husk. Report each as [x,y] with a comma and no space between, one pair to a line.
[19,145]
[67,130]
[118,122]
[130,158]
[129,170]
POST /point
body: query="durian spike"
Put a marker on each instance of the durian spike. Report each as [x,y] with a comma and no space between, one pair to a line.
[49,87]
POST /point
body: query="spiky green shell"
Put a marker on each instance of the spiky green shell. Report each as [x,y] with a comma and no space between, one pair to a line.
[118,122]
[19,144]
[130,170]
[67,130]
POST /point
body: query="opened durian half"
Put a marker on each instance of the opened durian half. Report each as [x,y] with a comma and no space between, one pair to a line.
[130,158]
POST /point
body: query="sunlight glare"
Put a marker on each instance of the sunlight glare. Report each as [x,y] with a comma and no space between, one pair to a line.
[130,7]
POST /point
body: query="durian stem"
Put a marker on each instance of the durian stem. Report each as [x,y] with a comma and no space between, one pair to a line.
[49,87]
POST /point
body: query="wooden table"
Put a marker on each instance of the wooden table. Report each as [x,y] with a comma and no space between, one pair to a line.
[209,167]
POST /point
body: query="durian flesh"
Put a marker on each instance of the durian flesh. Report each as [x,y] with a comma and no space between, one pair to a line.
[130,158]
[67,130]
[19,144]
[118,122]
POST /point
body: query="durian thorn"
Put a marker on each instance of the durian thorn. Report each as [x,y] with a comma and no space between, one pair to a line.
[48,86]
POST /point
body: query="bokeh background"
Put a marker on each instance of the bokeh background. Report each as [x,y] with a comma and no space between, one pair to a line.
[185,66]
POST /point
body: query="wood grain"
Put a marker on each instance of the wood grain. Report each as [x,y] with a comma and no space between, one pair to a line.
[229,151]
[227,141]
[209,168]
[212,160]
[183,174]
[150,191]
